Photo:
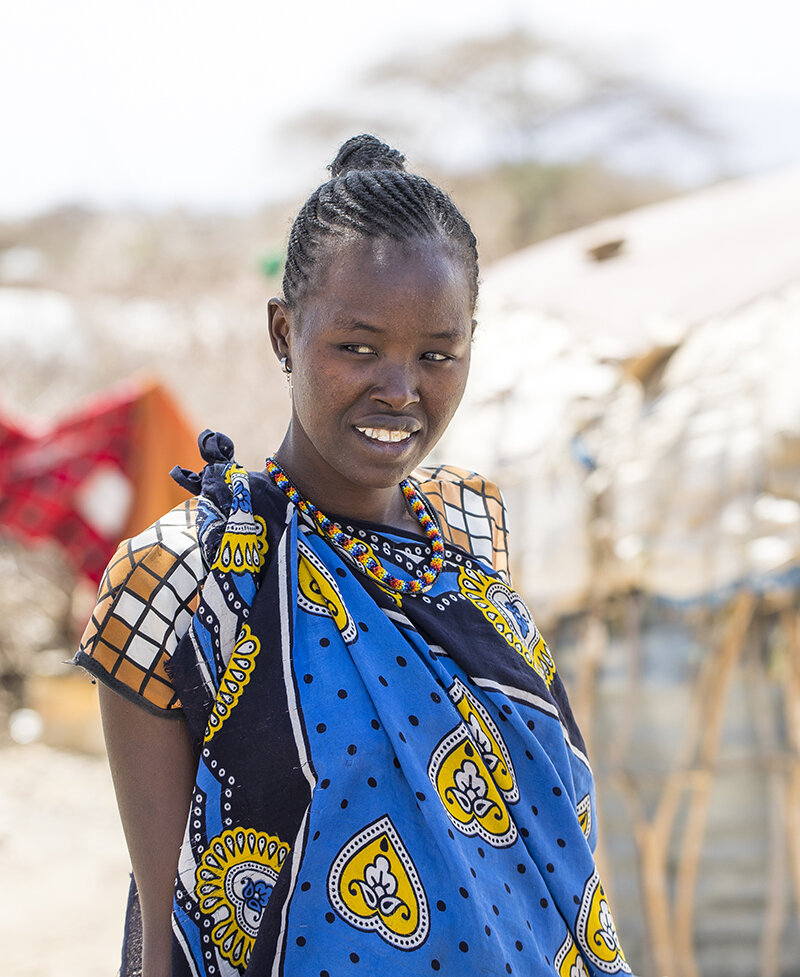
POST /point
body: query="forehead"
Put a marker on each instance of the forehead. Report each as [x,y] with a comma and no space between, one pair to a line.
[381,276]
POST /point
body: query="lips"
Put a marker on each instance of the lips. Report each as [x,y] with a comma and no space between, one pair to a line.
[384,434]
[388,429]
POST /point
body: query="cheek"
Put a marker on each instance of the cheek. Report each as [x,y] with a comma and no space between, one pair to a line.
[309,368]
[445,398]
[319,392]
[312,399]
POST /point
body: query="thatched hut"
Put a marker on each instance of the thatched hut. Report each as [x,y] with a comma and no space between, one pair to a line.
[636,393]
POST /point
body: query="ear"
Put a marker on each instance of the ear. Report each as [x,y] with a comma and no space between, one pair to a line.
[279,321]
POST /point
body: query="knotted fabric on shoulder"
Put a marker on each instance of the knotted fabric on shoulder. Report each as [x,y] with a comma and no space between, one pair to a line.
[215,449]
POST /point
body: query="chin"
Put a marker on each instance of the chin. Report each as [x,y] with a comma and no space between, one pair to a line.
[377,476]
[379,480]
[373,471]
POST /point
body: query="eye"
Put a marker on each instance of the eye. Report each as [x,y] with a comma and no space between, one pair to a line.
[360,349]
[436,357]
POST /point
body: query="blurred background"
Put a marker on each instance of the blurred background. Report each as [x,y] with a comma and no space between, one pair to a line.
[633,176]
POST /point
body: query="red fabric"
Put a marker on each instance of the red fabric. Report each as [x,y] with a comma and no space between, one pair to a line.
[41,473]
[135,430]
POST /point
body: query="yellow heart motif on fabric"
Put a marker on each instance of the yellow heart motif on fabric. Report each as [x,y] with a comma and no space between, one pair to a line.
[595,932]
[466,789]
[487,739]
[374,885]
[317,592]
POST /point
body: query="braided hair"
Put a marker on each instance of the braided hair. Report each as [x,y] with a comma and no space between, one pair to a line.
[370,195]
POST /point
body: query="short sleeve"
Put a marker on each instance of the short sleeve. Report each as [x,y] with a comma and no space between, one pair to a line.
[472,512]
[145,604]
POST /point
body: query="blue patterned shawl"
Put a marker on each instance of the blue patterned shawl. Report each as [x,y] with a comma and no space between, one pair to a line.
[385,786]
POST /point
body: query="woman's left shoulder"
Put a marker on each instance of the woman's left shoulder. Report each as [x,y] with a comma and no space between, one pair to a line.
[471,511]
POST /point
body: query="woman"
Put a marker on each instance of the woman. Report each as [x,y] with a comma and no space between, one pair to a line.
[380,766]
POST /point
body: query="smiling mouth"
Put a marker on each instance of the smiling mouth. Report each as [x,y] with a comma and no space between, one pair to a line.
[382,434]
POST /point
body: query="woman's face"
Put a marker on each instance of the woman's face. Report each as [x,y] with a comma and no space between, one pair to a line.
[380,354]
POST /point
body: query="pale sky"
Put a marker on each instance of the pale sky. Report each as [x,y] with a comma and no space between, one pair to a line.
[164,103]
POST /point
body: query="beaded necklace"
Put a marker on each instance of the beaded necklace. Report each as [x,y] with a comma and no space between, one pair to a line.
[358,551]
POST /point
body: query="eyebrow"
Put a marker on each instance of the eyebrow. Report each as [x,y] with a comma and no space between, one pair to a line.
[451,334]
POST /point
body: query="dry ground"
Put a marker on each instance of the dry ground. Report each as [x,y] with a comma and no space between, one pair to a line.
[63,864]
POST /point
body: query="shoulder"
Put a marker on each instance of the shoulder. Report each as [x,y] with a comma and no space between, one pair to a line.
[471,510]
[144,606]
[167,552]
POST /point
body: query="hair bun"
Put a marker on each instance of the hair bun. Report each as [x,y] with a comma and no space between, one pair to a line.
[365,152]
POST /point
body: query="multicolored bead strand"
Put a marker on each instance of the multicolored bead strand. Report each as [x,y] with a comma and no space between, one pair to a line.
[357,550]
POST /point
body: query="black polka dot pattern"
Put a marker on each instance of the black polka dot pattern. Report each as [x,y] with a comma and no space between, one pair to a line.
[385,683]
[492,884]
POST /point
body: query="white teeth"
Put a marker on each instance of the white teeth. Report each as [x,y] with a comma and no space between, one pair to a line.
[381,434]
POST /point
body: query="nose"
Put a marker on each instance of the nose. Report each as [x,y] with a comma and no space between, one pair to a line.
[396,385]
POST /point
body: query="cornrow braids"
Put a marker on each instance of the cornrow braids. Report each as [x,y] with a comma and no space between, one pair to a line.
[370,195]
